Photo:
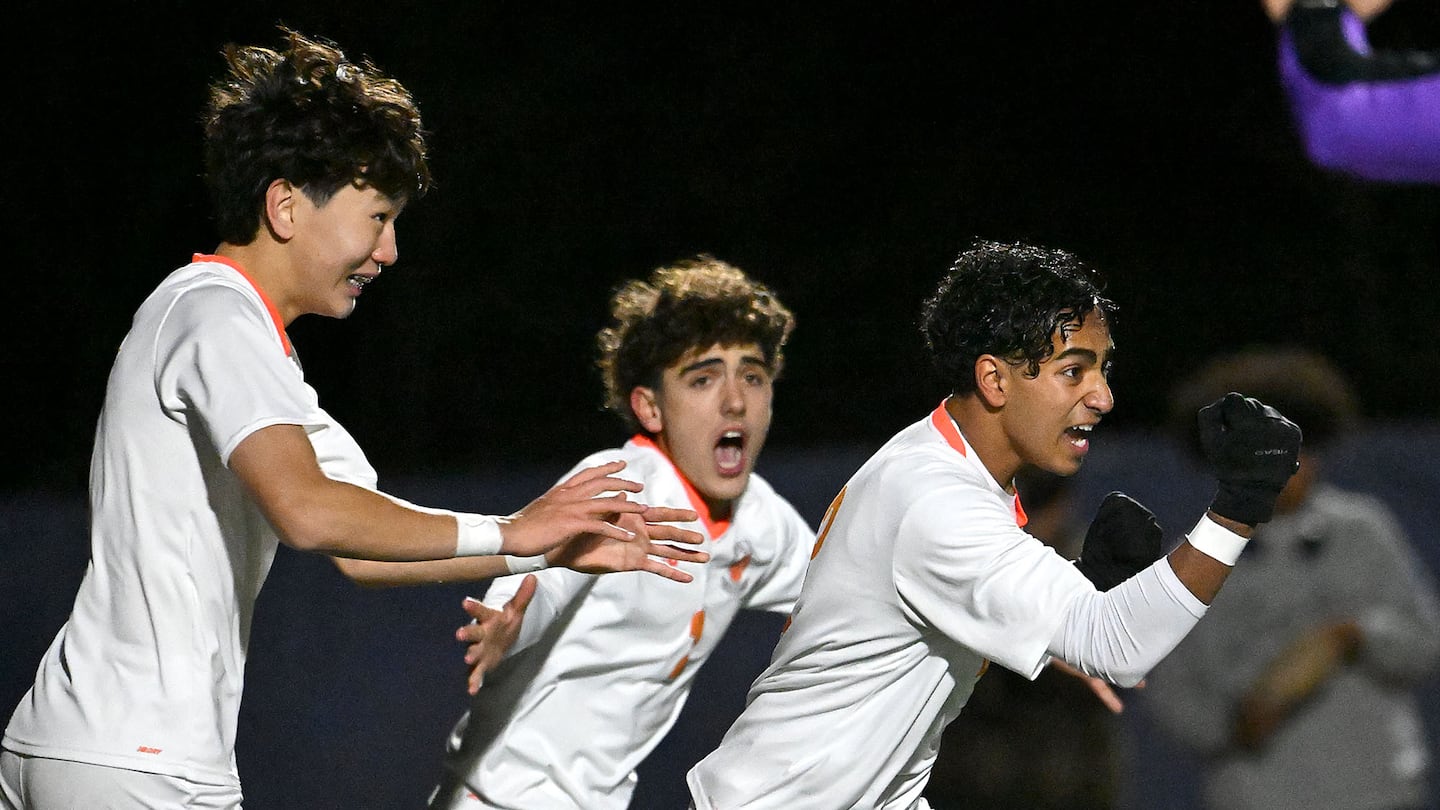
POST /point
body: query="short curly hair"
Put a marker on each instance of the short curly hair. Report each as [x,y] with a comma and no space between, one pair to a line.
[1007,300]
[693,304]
[310,116]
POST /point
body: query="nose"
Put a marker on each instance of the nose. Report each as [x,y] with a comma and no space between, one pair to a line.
[387,249]
[1101,399]
[734,398]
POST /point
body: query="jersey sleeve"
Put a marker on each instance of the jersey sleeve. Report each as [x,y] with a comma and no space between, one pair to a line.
[219,368]
[975,576]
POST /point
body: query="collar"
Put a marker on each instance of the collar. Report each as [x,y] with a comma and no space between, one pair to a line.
[713,526]
[265,299]
[945,424]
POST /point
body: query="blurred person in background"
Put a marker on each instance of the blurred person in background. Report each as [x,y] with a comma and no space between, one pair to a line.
[1298,688]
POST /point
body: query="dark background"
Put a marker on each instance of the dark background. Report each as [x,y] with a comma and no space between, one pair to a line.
[842,152]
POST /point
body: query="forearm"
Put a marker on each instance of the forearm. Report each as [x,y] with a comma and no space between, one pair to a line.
[1119,635]
[311,512]
[376,574]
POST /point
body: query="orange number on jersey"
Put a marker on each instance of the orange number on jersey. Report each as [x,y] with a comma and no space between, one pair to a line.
[827,521]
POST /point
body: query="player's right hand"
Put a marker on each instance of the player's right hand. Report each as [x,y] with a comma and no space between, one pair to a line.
[1253,451]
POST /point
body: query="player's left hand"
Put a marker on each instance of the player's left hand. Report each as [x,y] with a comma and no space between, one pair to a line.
[1123,540]
[493,631]
[1100,687]
[651,532]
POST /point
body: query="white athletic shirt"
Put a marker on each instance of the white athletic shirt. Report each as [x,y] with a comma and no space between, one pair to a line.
[147,672]
[921,577]
[604,663]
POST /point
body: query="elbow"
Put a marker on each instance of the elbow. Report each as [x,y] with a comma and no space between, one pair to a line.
[304,527]
[1129,679]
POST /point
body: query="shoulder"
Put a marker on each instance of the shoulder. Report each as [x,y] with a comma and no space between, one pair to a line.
[768,506]
[204,293]
[1346,505]
[642,464]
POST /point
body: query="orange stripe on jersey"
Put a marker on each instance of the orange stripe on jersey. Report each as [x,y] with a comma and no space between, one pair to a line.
[697,625]
[828,521]
[715,527]
[269,305]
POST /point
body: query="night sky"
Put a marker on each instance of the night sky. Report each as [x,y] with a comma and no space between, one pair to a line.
[842,153]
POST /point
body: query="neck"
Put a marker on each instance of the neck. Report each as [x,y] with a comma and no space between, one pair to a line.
[268,267]
[981,427]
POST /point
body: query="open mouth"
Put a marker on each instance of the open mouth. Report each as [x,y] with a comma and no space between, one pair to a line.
[1079,435]
[730,453]
[358,281]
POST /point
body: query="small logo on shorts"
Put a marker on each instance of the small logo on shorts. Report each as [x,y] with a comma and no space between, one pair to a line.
[145,749]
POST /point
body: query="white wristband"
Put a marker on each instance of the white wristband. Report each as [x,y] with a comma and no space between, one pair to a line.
[525,565]
[479,535]
[1214,540]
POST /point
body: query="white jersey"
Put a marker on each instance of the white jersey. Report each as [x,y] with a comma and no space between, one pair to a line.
[146,673]
[921,577]
[604,663]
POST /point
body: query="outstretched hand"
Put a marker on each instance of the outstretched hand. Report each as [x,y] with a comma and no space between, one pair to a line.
[1123,540]
[574,508]
[492,632]
[598,554]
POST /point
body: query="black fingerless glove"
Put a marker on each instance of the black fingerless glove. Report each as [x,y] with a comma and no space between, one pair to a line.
[1253,451]
[1123,540]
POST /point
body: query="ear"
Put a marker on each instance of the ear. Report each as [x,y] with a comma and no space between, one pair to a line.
[991,380]
[280,200]
[646,407]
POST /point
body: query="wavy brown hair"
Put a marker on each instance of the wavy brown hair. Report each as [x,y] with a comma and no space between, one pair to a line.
[692,304]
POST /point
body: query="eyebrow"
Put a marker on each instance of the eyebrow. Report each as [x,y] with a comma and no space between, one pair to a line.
[716,361]
[1087,354]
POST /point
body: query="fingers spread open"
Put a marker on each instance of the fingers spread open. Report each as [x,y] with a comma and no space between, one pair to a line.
[665,570]
[673,534]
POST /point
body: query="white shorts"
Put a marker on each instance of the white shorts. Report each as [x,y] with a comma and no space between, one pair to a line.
[41,783]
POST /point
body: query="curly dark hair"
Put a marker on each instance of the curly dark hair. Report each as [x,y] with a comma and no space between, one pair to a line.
[1006,300]
[310,116]
[693,304]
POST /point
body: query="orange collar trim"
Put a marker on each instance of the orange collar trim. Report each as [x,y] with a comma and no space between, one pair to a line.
[940,418]
[715,527]
[269,305]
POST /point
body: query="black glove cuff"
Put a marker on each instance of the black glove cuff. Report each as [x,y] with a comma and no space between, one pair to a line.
[1245,503]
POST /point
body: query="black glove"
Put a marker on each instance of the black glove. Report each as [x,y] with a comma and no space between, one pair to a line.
[1253,451]
[1123,540]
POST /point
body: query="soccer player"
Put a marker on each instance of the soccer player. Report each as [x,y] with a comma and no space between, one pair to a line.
[211,449]
[922,575]
[599,667]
